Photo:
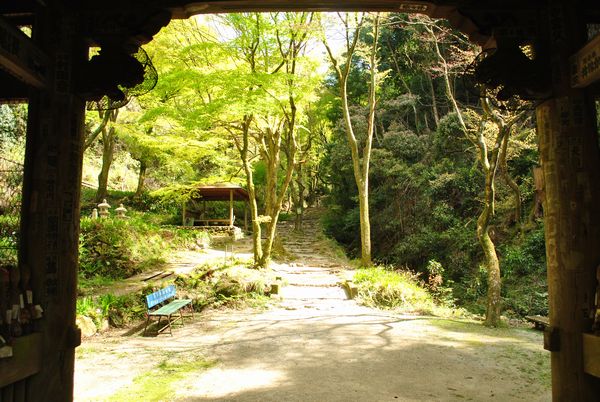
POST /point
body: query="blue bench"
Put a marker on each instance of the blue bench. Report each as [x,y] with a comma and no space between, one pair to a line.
[168,310]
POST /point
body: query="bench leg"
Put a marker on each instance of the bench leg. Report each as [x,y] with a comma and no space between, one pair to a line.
[181,316]
[147,321]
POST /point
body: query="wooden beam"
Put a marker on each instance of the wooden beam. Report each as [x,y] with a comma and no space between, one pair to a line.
[26,360]
[585,64]
[21,57]
[591,354]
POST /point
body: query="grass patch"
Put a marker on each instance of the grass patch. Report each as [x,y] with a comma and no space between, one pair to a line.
[159,384]
[89,285]
[392,289]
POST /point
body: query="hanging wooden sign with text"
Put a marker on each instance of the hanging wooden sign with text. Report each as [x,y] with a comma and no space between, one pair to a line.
[20,57]
[585,65]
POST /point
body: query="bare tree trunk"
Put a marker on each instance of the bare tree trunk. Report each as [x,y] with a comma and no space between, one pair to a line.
[299,207]
[492,265]
[434,108]
[141,179]
[360,166]
[512,184]
[243,148]
[108,150]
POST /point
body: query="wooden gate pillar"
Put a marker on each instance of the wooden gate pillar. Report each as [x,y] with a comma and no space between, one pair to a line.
[571,166]
[51,194]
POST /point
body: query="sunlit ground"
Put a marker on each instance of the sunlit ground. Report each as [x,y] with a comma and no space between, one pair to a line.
[330,354]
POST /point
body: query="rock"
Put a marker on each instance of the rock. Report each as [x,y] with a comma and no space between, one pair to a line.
[104,325]
[87,326]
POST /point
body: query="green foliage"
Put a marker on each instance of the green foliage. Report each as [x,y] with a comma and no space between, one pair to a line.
[387,288]
[233,285]
[526,256]
[426,182]
[122,310]
[119,311]
[118,248]
[524,275]
[9,238]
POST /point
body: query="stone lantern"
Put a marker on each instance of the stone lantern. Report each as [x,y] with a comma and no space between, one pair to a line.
[103,207]
[121,212]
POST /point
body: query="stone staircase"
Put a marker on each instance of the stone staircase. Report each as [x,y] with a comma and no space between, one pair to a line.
[312,279]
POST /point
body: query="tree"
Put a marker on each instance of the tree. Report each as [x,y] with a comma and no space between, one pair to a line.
[246,88]
[491,161]
[109,137]
[360,163]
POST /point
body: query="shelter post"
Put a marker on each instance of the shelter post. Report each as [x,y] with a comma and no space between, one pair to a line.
[230,208]
[51,197]
[571,167]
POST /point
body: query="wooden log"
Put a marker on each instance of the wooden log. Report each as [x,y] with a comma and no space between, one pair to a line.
[571,165]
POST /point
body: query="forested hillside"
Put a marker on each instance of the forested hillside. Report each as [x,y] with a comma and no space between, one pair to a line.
[295,107]
[427,183]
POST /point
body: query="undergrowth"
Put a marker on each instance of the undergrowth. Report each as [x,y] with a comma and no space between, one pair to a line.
[392,289]
[116,249]
[234,285]
[119,311]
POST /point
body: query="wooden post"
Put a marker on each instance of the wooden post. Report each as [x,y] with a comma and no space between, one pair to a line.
[230,208]
[183,212]
[571,165]
[51,195]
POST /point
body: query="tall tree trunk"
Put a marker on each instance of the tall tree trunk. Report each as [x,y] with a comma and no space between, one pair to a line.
[108,149]
[365,226]
[299,207]
[492,265]
[360,166]
[243,148]
[512,184]
[141,179]
[434,108]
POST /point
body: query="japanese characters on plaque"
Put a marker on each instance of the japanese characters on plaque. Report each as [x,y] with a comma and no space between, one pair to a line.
[585,64]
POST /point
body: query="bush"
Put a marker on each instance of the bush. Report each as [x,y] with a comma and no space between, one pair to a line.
[9,239]
[118,248]
[117,310]
[232,286]
[387,288]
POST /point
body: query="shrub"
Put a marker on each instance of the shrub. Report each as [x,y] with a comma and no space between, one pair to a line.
[118,248]
[387,288]
[232,286]
[118,310]
[121,310]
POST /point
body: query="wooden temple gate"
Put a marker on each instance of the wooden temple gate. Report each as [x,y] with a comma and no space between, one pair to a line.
[51,71]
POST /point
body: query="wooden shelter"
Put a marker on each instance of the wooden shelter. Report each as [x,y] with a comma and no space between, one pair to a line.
[52,72]
[215,192]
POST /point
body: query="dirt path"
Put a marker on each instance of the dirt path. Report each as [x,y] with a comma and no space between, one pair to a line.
[315,345]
